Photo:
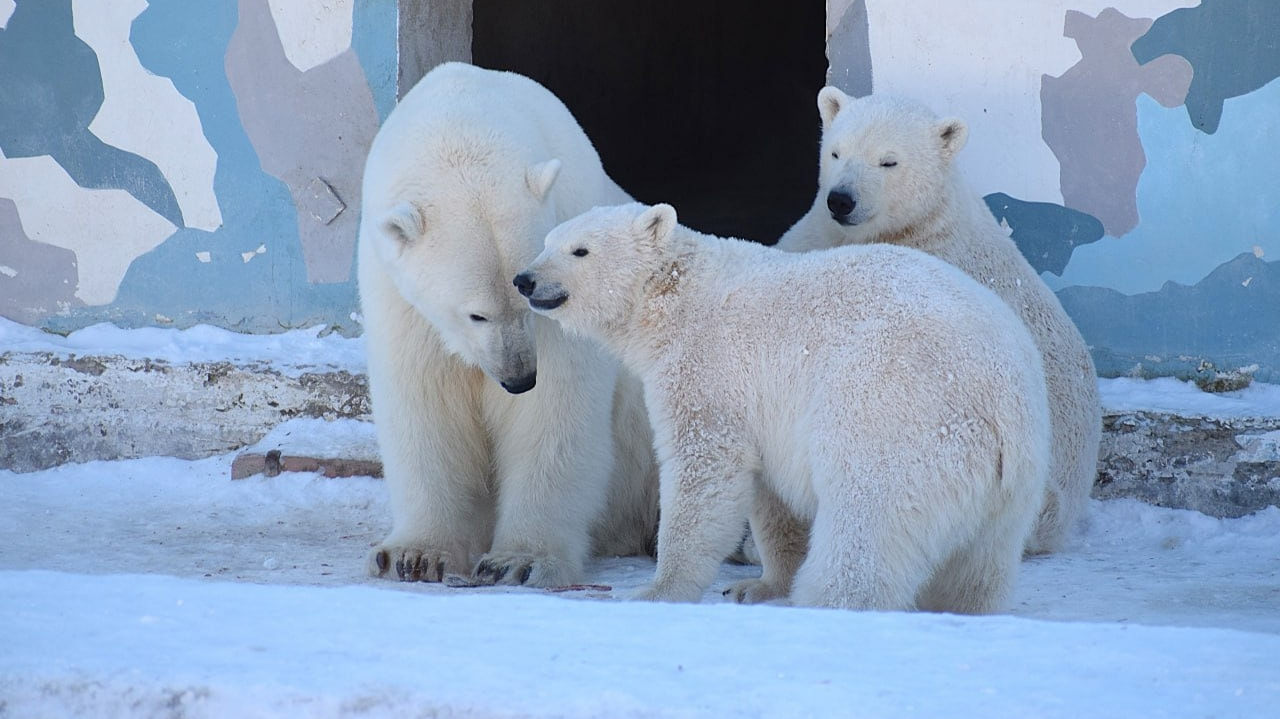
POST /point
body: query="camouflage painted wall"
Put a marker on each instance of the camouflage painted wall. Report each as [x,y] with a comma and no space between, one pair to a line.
[1131,146]
[171,162]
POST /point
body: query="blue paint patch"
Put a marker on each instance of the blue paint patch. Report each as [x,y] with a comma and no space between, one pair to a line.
[1233,46]
[50,91]
[1202,200]
[187,43]
[375,37]
[1230,319]
[1044,232]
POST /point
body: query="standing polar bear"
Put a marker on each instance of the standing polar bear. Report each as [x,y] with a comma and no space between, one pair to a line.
[874,392]
[887,174]
[499,434]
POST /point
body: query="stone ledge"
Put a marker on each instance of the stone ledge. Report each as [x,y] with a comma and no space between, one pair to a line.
[56,409]
[1221,467]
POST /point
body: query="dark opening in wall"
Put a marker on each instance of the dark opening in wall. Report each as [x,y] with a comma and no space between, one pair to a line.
[708,105]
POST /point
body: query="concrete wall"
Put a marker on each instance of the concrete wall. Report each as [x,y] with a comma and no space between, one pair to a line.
[173,162]
[1130,145]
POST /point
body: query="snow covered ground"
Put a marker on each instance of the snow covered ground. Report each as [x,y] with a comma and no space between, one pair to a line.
[161,588]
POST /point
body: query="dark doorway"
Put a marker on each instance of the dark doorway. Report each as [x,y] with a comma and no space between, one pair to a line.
[706,104]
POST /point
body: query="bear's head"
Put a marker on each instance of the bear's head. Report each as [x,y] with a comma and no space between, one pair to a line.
[591,276]
[885,163]
[451,247]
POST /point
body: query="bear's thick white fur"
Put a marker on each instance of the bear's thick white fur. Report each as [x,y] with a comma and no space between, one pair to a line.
[893,159]
[462,183]
[876,394]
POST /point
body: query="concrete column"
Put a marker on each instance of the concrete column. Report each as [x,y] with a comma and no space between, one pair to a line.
[431,32]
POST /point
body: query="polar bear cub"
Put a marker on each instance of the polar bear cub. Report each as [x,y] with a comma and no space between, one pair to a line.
[874,392]
[504,442]
[887,174]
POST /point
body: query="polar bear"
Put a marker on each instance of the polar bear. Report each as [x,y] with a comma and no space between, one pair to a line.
[499,435]
[875,393]
[887,174]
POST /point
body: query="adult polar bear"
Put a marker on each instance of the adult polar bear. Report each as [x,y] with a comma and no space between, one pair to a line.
[462,183]
[886,174]
[875,392]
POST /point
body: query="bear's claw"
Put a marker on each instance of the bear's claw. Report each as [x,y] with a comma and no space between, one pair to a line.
[518,568]
[411,565]
[492,573]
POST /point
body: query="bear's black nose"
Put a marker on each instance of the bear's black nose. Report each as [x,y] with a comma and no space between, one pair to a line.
[521,385]
[524,283]
[841,203]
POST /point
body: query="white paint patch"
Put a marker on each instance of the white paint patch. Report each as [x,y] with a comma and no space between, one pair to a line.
[204,256]
[6,11]
[246,256]
[54,211]
[145,114]
[313,32]
[8,271]
[983,61]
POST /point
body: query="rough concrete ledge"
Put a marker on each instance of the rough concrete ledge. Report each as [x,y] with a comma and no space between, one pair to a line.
[1221,467]
[56,409]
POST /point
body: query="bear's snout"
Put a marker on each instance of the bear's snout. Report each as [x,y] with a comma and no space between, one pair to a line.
[522,384]
[525,283]
[841,203]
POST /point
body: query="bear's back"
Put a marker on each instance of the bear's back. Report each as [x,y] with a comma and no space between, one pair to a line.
[458,114]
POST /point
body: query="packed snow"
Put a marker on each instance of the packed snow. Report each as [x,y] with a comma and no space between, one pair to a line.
[160,587]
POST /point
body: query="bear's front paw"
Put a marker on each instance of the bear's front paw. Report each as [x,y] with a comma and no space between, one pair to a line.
[666,593]
[534,570]
[414,564]
[754,591]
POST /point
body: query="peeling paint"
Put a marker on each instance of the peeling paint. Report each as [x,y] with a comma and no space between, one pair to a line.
[246,256]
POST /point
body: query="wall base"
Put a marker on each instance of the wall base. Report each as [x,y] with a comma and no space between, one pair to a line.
[55,409]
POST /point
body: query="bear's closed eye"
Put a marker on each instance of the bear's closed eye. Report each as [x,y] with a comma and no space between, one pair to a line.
[580,252]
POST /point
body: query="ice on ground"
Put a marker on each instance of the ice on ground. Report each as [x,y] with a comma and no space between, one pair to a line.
[1184,398]
[287,351]
[159,587]
[162,588]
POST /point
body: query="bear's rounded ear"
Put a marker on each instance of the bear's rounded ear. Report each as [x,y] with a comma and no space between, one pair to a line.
[656,222]
[953,133]
[541,177]
[830,100]
[403,223]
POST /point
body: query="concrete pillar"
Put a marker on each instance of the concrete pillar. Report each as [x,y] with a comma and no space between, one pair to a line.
[431,32]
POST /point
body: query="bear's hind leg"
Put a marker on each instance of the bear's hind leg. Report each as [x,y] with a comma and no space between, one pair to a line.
[978,577]
[782,540]
[851,566]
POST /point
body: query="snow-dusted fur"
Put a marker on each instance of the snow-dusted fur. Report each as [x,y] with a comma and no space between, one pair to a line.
[889,162]
[463,181]
[877,394]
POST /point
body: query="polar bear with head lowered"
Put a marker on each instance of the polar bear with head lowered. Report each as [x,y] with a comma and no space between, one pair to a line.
[876,393]
[887,174]
[498,433]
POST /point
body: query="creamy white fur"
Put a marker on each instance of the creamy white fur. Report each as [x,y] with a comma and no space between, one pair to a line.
[922,202]
[876,394]
[462,183]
